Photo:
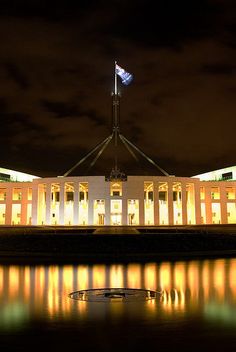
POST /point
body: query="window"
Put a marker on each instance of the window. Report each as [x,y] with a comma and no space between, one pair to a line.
[175,196]
[230,192]
[215,193]
[57,196]
[17,194]
[116,189]
[29,193]
[227,176]
[69,196]
[162,195]
[116,193]
[5,177]
[202,192]
[83,192]
[150,195]
[3,193]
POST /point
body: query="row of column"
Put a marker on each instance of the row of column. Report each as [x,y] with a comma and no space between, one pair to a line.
[23,219]
[126,194]
[170,202]
[222,201]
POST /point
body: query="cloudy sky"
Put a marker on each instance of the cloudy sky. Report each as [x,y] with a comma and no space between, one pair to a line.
[56,77]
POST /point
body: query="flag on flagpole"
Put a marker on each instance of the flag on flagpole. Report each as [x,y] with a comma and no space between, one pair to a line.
[125,76]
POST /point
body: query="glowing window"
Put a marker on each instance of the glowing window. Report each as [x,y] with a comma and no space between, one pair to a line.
[116,189]
[17,194]
[215,193]
[3,193]
[230,193]
[202,193]
[29,193]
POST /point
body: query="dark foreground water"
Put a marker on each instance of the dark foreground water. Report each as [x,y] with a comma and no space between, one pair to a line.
[197,311]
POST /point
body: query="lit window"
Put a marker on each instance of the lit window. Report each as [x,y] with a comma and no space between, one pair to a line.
[116,189]
[227,176]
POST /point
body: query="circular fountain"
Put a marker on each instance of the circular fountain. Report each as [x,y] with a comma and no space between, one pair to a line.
[115,295]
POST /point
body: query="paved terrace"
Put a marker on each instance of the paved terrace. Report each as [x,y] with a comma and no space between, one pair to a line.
[118,230]
[115,244]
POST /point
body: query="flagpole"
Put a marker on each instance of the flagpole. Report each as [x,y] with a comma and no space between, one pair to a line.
[115,81]
[115,114]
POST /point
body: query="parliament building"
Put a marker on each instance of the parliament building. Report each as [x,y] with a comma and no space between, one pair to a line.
[208,198]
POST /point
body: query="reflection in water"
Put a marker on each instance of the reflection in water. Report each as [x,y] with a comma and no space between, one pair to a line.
[208,285]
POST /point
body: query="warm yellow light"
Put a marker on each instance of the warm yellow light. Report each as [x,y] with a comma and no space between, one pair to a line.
[150,276]
[13,280]
[82,277]
[99,273]
[116,276]
[134,275]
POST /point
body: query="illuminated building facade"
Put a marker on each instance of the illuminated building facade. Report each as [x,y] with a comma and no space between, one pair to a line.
[137,200]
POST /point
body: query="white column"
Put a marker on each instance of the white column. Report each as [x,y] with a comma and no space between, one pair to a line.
[107,219]
[24,202]
[107,211]
[35,204]
[76,203]
[124,204]
[208,205]
[124,210]
[170,203]
[62,204]
[48,203]
[184,203]
[141,205]
[90,209]
[223,205]
[197,203]
[156,203]
[8,214]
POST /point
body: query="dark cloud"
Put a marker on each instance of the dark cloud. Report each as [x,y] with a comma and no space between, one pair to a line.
[133,130]
[19,117]
[164,23]
[17,75]
[72,110]
[60,109]
[53,10]
[219,69]
[3,105]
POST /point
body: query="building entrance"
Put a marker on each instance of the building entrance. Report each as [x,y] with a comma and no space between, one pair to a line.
[116,212]
[116,219]
[99,212]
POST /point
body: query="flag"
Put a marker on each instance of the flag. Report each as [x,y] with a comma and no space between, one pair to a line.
[126,77]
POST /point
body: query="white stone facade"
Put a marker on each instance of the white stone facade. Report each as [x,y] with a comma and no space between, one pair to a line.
[139,201]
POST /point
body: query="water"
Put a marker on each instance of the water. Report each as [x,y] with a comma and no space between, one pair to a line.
[196,312]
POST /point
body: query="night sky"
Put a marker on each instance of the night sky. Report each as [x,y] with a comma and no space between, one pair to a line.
[56,77]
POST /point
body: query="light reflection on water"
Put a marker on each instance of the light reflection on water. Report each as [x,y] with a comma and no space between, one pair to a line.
[198,289]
